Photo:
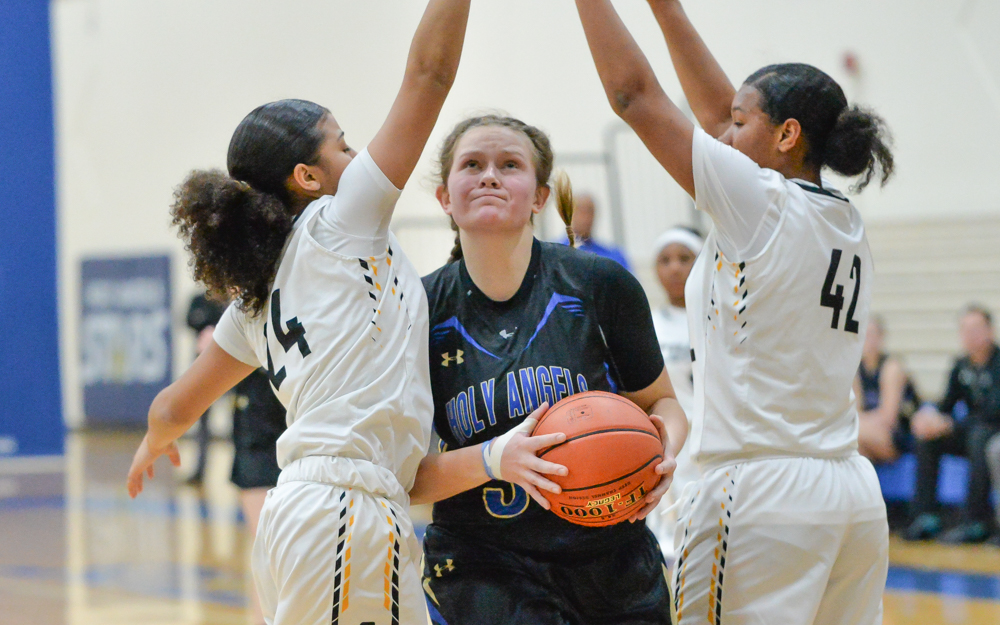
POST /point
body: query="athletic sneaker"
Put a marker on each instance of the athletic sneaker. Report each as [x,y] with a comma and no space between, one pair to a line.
[967,533]
[925,527]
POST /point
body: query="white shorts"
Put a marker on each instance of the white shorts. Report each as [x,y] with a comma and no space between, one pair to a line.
[792,540]
[329,550]
[662,521]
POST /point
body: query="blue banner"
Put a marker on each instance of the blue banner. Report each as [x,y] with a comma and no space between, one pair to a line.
[125,337]
[31,421]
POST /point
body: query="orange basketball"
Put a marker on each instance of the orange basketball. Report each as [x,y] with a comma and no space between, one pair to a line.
[611,452]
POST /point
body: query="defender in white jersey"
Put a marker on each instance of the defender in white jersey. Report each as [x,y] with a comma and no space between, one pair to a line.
[787,524]
[328,304]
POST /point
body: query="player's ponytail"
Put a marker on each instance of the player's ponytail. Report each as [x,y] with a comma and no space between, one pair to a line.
[235,225]
[235,235]
[850,140]
[543,157]
[858,145]
[564,203]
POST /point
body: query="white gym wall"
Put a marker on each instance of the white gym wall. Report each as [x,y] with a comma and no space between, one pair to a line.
[148,89]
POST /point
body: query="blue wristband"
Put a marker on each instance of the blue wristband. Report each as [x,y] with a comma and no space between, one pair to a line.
[486,465]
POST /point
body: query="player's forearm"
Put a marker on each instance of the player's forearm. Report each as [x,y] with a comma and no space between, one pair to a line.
[437,45]
[166,421]
[707,88]
[674,420]
[624,70]
[447,474]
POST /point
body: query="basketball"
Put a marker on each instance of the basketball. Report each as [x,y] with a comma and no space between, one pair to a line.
[611,451]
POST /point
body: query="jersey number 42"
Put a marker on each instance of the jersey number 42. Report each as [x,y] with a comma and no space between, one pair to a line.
[830,298]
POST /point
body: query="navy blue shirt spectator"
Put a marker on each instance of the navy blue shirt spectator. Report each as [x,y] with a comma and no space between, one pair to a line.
[583,224]
[974,382]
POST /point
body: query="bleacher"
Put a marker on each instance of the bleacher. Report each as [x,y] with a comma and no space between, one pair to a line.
[926,273]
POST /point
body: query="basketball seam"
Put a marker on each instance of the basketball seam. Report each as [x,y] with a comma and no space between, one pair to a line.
[542,453]
[617,479]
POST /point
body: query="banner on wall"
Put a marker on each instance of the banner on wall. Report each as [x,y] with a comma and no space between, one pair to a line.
[125,335]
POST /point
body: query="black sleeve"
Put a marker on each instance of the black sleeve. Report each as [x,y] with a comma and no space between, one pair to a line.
[623,312]
[954,392]
[991,405]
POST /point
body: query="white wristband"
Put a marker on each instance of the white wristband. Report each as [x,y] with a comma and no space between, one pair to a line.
[493,450]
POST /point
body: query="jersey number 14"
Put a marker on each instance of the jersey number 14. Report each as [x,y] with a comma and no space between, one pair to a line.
[296,335]
[830,298]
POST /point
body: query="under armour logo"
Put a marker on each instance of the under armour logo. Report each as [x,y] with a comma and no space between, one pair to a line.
[448,566]
[447,358]
[505,334]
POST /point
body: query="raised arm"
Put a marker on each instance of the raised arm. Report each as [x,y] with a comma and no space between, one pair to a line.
[634,93]
[430,73]
[708,90]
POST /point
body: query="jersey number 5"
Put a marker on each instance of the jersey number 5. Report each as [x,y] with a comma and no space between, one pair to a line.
[834,299]
[296,335]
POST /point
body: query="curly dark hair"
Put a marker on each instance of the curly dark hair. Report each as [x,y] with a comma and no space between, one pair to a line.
[235,225]
[850,140]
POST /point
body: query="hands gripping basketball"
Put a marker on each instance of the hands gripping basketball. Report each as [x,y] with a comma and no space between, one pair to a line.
[665,470]
[513,457]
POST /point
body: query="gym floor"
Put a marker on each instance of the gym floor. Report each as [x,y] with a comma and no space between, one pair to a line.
[75,549]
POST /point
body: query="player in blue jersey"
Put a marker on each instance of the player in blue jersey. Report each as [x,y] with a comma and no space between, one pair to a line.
[516,325]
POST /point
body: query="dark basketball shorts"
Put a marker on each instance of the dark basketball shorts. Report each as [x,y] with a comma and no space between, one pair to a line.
[468,582]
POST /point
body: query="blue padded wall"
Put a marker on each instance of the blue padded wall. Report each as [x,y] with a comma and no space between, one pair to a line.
[31,421]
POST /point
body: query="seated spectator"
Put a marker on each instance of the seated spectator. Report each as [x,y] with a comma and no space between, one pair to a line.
[975,381]
[583,225]
[993,457]
[886,398]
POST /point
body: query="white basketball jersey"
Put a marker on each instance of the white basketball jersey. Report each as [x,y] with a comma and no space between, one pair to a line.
[344,338]
[777,335]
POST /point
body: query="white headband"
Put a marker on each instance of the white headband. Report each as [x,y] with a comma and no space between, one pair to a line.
[685,237]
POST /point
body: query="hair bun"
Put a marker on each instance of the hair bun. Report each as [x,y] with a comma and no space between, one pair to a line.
[858,145]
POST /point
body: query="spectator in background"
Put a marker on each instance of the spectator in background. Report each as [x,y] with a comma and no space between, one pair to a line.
[203,315]
[886,399]
[993,457]
[583,225]
[974,381]
[675,252]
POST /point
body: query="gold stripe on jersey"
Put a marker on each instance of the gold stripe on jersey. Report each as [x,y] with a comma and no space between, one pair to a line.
[369,271]
[721,548]
[342,567]
[682,564]
[392,566]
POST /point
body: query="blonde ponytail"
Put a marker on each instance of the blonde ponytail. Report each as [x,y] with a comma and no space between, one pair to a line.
[565,204]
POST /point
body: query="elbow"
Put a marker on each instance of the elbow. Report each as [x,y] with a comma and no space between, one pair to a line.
[620,101]
[418,498]
[623,95]
[162,412]
[438,75]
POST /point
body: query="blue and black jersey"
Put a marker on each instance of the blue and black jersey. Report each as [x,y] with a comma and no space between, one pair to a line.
[578,322]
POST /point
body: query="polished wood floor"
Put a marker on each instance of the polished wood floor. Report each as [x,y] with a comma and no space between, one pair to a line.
[75,550]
